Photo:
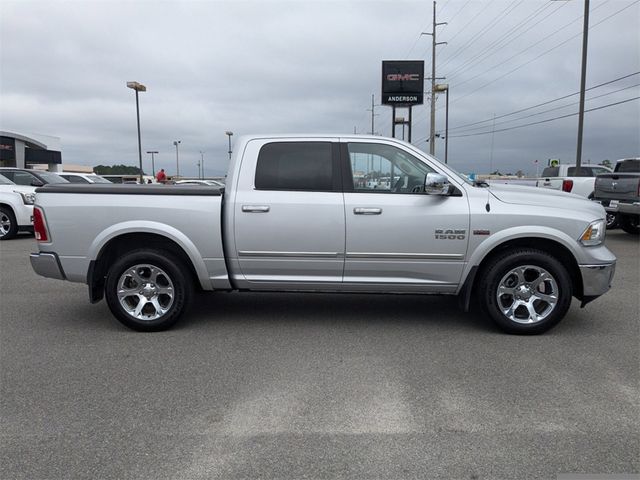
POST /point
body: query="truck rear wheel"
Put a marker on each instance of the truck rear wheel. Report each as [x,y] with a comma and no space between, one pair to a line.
[629,223]
[525,291]
[8,224]
[148,290]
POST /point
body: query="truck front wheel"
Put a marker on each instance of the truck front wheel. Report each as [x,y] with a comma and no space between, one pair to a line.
[525,291]
[147,290]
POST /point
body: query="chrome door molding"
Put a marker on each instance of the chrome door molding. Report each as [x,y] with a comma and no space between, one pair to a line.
[406,256]
[270,254]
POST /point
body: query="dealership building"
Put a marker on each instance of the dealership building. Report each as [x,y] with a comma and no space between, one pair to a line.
[30,150]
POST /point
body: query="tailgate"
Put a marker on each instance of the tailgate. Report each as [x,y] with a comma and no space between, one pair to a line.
[617,187]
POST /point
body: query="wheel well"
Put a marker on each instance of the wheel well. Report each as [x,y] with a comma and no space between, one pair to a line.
[6,205]
[118,246]
[553,248]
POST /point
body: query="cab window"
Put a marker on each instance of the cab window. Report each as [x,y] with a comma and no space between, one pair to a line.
[300,166]
[380,168]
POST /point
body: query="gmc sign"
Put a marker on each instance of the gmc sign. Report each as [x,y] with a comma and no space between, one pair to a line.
[402,82]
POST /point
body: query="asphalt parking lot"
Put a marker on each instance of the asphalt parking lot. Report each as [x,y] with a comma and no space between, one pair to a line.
[314,386]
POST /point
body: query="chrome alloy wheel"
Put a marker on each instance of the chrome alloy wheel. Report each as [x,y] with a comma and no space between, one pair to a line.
[5,224]
[527,294]
[145,292]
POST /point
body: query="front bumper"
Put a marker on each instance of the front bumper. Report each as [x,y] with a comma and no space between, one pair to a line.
[596,279]
[47,265]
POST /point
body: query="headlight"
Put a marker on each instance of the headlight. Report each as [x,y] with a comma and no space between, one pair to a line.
[27,198]
[594,234]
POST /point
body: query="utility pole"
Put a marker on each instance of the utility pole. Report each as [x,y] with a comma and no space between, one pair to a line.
[202,162]
[583,79]
[373,114]
[432,134]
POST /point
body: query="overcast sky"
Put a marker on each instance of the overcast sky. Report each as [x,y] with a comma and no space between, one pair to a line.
[303,66]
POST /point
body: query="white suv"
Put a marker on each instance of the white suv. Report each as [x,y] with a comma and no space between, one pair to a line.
[16,208]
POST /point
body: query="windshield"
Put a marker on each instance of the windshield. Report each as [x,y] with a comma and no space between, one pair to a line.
[49,177]
[5,181]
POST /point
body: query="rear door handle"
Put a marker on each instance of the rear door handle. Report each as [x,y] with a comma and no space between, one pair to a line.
[367,211]
[255,208]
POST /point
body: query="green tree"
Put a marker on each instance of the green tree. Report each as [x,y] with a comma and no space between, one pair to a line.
[116,170]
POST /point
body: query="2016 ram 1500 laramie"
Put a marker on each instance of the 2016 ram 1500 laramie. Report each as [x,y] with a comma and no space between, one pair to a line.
[331,214]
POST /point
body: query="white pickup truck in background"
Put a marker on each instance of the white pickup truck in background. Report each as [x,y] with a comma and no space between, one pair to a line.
[567,179]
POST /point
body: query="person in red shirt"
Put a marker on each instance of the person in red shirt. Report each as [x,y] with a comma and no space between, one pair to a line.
[161,177]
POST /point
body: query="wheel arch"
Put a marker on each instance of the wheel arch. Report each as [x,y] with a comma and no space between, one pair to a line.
[119,245]
[553,247]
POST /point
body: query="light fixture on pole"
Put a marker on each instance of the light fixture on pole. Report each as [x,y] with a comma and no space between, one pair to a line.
[138,87]
[229,134]
[444,87]
[202,162]
[153,164]
[176,143]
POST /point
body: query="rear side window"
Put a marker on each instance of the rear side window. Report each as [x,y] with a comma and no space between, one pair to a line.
[306,166]
[550,172]
[583,172]
[21,178]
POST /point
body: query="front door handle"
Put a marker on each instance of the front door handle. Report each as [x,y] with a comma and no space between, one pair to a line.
[367,211]
[255,208]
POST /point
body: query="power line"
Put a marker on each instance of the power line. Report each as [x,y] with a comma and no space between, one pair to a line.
[492,23]
[553,109]
[503,40]
[455,14]
[466,25]
[542,54]
[493,67]
[545,121]
[545,103]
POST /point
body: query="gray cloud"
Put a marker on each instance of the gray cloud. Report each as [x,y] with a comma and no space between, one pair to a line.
[301,66]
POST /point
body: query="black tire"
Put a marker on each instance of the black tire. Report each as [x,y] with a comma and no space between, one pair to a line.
[612,221]
[161,277]
[8,224]
[629,223]
[532,266]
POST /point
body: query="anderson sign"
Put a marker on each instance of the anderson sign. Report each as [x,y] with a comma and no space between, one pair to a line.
[402,82]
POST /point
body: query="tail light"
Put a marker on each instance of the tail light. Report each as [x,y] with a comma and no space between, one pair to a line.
[567,185]
[40,226]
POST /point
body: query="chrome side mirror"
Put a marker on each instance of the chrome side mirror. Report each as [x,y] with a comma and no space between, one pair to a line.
[436,184]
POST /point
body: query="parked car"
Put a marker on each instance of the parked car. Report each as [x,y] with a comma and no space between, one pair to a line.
[619,193]
[16,208]
[74,177]
[293,219]
[211,183]
[33,178]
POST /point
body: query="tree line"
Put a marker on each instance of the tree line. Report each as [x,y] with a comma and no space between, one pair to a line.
[116,170]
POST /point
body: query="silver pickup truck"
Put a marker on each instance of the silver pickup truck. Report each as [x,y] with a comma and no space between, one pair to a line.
[619,194]
[330,214]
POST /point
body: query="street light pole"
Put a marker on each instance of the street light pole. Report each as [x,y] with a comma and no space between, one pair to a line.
[138,87]
[202,162]
[229,134]
[153,165]
[176,143]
